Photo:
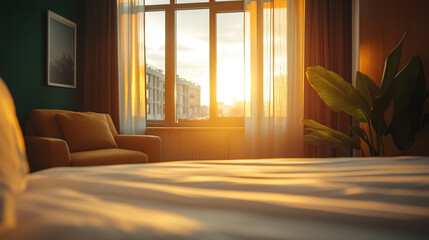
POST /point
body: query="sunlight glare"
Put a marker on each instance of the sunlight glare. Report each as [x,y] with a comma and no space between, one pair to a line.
[230,61]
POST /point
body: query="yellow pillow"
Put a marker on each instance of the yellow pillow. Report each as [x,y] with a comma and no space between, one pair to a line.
[86,131]
[13,160]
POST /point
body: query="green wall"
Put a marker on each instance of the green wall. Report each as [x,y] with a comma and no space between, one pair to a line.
[23,29]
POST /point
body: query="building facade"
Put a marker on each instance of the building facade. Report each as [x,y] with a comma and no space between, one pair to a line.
[188,97]
[155,93]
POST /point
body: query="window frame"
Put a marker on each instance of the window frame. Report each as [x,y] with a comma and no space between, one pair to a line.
[170,64]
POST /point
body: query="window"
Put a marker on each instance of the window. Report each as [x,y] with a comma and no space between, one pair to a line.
[195,60]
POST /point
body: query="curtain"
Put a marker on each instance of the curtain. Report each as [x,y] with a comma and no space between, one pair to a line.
[101,58]
[328,44]
[274,42]
[132,69]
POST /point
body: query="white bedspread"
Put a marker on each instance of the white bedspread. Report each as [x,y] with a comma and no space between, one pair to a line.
[343,198]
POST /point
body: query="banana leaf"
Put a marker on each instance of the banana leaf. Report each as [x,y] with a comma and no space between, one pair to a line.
[391,67]
[384,96]
[357,131]
[335,136]
[366,87]
[318,139]
[408,91]
[338,94]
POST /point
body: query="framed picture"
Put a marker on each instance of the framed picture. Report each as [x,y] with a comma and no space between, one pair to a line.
[61,51]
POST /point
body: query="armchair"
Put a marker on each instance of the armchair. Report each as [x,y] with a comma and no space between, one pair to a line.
[56,138]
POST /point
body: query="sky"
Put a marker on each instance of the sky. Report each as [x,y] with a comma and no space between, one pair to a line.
[192,44]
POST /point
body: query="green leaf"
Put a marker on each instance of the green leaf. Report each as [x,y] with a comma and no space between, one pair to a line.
[377,115]
[391,66]
[318,139]
[338,94]
[408,91]
[332,133]
[366,87]
[384,96]
[358,132]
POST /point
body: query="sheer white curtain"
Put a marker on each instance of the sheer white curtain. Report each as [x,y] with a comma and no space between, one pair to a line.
[132,69]
[274,43]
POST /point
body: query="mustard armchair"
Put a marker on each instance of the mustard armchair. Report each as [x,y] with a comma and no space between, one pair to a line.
[58,138]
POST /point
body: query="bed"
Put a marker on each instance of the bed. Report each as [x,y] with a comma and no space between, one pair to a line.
[342,198]
[332,198]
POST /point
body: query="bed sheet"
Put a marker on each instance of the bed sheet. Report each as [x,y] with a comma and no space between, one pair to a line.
[331,198]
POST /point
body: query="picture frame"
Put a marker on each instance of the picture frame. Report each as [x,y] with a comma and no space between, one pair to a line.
[61,51]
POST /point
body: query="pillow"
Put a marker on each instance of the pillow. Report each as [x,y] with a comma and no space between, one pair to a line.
[86,131]
[13,160]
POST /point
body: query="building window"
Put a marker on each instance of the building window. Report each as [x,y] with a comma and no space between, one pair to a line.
[195,61]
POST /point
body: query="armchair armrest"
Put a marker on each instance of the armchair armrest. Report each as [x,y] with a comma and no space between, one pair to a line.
[44,152]
[151,145]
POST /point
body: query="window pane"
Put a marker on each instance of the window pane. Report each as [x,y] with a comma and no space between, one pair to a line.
[156,2]
[155,64]
[230,64]
[191,1]
[192,61]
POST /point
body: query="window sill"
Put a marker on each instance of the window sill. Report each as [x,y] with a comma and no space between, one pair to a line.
[218,123]
[194,129]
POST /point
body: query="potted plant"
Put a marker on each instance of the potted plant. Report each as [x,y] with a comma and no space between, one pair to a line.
[367,103]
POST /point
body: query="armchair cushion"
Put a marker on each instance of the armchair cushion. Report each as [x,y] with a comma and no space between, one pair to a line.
[86,131]
[107,157]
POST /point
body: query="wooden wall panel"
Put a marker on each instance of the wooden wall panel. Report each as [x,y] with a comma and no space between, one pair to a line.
[382,23]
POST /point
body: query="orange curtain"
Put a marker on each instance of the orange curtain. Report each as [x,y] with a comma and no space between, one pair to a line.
[101,58]
[328,44]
